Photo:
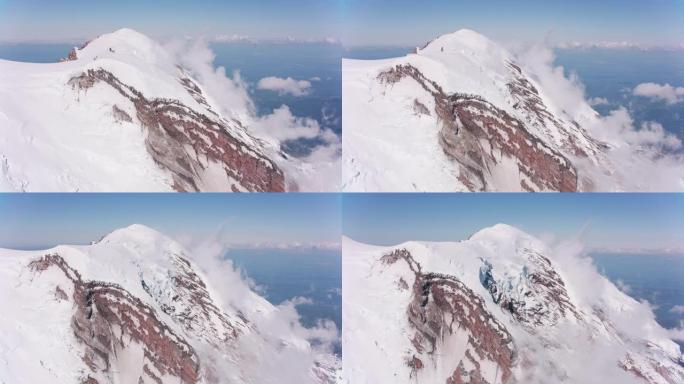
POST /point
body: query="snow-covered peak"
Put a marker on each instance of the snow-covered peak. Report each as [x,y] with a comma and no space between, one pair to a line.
[463,39]
[144,240]
[505,234]
[137,232]
[465,45]
[124,44]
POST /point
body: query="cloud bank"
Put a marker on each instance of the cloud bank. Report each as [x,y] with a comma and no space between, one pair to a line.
[283,125]
[664,92]
[285,86]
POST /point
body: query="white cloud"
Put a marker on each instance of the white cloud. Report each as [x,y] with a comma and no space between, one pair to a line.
[231,94]
[567,93]
[232,38]
[677,333]
[283,125]
[321,170]
[622,286]
[637,158]
[280,343]
[598,101]
[285,86]
[289,246]
[629,318]
[665,92]
[618,45]
[677,309]
[300,300]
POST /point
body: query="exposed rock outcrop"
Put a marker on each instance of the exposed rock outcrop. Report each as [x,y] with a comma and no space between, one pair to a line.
[108,320]
[188,143]
[441,307]
[478,136]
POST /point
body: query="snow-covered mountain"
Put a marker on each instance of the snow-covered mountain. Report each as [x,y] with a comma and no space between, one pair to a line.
[133,308]
[499,307]
[463,114]
[121,114]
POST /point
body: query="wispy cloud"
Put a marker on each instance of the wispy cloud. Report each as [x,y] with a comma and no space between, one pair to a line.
[283,125]
[291,246]
[664,92]
[236,38]
[639,156]
[679,309]
[277,344]
[225,38]
[285,86]
[638,250]
[594,101]
[619,45]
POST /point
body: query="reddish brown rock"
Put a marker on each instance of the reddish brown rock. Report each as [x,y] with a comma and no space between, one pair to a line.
[440,306]
[469,120]
[183,140]
[107,319]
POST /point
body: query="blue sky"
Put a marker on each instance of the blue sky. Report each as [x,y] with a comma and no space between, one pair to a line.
[37,220]
[410,22]
[635,221]
[53,21]
[357,22]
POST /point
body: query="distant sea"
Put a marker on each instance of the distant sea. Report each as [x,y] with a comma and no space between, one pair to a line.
[318,63]
[658,279]
[285,274]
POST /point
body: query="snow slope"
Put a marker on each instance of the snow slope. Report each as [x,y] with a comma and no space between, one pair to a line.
[461,114]
[122,115]
[133,308]
[499,307]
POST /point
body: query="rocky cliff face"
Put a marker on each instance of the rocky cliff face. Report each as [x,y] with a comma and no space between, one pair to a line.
[443,308]
[109,322]
[495,308]
[187,143]
[476,134]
